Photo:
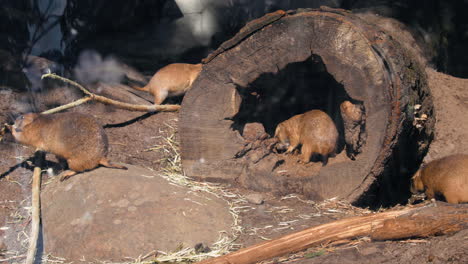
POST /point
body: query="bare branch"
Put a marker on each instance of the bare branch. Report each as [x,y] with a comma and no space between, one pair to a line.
[67,106]
[105,100]
[65,80]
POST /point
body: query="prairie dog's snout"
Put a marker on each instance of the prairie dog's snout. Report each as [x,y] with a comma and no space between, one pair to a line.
[282,143]
[282,146]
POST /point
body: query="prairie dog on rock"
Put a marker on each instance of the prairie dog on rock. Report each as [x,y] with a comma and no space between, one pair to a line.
[314,129]
[77,138]
[171,80]
[447,176]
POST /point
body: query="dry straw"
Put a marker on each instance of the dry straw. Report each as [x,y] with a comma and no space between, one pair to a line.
[173,173]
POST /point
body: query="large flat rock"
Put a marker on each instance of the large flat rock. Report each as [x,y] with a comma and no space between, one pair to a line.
[111,214]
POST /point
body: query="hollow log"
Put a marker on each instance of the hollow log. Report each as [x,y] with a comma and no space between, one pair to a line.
[436,219]
[287,63]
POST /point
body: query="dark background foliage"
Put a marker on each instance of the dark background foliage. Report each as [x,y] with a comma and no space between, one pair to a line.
[148,34]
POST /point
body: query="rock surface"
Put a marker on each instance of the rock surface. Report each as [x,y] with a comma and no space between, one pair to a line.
[255,198]
[451,104]
[109,214]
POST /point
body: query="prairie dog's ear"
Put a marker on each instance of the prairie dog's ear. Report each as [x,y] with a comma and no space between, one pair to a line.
[30,116]
[277,130]
[416,182]
[24,120]
[417,174]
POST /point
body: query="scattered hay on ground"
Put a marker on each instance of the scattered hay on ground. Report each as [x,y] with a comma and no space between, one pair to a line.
[173,173]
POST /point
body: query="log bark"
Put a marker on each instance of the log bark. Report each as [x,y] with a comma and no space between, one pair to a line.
[435,219]
[306,59]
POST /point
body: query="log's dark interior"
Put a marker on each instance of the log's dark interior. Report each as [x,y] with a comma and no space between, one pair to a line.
[299,87]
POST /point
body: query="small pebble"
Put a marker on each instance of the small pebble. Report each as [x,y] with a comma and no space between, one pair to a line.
[254,198]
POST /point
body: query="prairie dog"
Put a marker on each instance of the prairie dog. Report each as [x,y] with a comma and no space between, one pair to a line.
[351,112]
[354,127]
[171,80]
[447,176]
[314,129]
[77,138]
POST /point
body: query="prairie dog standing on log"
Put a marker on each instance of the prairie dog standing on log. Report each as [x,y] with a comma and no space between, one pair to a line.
[171,80]
[314,129]
[77,138]
[447,176]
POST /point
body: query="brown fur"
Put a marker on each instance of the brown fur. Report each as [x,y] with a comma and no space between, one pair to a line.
[75,137]
[354,127]
[351,112]
[172,80]
[447,176]
[316,132]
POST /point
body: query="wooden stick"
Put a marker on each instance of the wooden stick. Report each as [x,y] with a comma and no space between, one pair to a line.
[132,107]
[36,208]
[69,105]
[417,222]
[105,100]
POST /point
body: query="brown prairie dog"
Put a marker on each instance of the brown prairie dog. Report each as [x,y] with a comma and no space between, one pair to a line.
[75,137]
[354,127]
[171,80]
[351,112]
[314,129]
[447,176]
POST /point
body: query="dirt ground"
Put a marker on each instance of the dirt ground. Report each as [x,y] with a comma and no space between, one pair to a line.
[139,139]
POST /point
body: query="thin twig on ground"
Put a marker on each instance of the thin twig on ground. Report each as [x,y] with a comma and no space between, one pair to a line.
[36,210]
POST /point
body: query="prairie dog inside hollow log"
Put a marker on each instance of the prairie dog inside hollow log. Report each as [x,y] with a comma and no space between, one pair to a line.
[171,80]
[314,129]
[354,120]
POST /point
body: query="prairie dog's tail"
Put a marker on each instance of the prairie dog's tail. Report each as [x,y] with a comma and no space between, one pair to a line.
[106,163]
[144,88]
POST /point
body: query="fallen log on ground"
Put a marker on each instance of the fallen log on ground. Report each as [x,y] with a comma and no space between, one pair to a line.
[287,63]
[424,221]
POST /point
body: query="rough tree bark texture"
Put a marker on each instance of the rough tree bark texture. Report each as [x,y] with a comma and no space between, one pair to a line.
[370,65]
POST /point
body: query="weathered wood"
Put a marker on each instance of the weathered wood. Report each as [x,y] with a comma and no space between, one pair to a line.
[435,219]
[36,207]
[249,28]
[360,62]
